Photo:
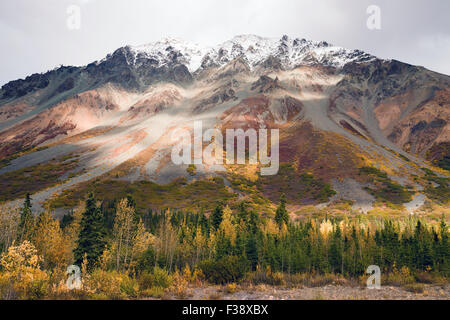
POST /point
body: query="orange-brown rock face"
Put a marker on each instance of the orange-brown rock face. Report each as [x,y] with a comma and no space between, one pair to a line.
[426,125]
[75,115]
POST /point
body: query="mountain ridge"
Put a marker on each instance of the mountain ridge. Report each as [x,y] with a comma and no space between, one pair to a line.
[233,47]
[338,111]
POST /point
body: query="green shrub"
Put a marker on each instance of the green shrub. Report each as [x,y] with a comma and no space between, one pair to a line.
[155,292]
[225,270]
[105,284]
[38,290]
[157,278]
[384,188]
[129,286]
[145,280]
[267,277]
[146,261]
[397,277]
[161,278]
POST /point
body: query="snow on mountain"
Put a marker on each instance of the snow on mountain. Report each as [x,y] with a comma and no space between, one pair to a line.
[253,49]
[169,49]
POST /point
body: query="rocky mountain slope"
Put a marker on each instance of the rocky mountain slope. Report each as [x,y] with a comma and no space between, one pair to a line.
[352,127]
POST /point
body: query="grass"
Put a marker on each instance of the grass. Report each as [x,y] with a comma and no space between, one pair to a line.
[178,194]
[383,188]
[440,193]
[297,280]
[16,184]
[299,187]
[7,160]
[252,192]
[262,192]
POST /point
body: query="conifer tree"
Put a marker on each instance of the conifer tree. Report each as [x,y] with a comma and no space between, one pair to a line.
[253,222]
[91,240]
[26,223]
[203,221]
[335,251]
[281,214]
[443,251]
[242,214]
[131,201]
[217,217]
[251,249]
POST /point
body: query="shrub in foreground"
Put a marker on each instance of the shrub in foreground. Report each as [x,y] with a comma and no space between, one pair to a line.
[154,283]
[225,270]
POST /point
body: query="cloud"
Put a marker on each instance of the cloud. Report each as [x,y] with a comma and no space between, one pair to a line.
[35,36]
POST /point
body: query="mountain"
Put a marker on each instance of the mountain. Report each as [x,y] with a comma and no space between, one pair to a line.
[353,129]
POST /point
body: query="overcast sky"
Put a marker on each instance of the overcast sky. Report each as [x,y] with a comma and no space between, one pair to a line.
[35,37]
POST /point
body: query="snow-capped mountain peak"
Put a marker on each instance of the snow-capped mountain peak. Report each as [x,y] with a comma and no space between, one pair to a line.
[254,49]
[169,49]
[291,52]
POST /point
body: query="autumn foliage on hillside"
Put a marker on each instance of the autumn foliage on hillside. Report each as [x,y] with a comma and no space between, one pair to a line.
[124,253]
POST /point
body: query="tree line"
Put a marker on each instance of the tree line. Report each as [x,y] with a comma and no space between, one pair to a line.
[223,245]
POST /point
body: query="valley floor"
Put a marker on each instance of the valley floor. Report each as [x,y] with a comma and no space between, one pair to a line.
[328,292]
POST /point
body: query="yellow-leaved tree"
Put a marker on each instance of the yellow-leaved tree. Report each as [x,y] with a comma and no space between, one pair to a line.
[22,274]
[166,242]
[226,226]
[129,237]
[72,230]
[9,222]
[200,245]
[51,243]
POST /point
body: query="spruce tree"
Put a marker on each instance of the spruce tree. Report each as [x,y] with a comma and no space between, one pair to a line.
[253,222]
[251,249]
[26,223]
[131,201]
[91,240]
[203,221]
[335,251]
[281,214]
[242,214]
[217,217]
[443,254]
